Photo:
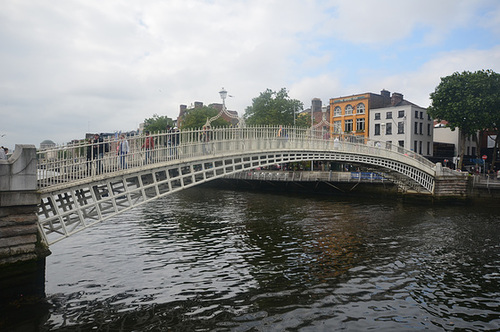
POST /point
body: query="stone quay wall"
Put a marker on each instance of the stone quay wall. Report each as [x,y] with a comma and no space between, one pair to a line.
[22,253]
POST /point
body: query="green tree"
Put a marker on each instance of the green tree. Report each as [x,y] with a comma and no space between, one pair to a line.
[157,123]
[197,117]
[272,108]
[469,101]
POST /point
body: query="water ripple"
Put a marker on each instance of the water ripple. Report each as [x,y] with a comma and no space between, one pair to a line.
[209,260]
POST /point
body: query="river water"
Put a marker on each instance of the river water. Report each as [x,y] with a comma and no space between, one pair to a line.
[223,260]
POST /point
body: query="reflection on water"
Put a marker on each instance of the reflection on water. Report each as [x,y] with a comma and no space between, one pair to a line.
[222,260]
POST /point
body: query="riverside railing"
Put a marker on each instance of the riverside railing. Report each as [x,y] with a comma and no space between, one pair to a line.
[87,160]
[307,176]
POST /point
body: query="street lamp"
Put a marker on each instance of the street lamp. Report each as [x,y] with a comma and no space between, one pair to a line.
[223,95]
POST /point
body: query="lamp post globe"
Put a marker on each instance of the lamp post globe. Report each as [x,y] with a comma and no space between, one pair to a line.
[223,95]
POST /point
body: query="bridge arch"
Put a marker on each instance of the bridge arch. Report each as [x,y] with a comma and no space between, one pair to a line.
[74,206]
[77,193]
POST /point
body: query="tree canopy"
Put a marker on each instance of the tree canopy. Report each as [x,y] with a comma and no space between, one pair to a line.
[157,123]
[197,117]
[469,101]
[272,108]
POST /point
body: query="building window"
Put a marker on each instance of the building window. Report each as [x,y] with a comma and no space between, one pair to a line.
[377,129]
[428,129]
[337,111]
[415,146]
[421,115]
[377,116]
[420,148]
[420,128]
[360,124]
[416,128]
[401,127]
[388,128]
[401,114]
[348,126]
[388,115]
[348,110]
[416,114]
[360,108]
[428,148]
[337,127]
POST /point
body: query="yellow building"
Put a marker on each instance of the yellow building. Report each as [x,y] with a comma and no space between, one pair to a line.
[349,115]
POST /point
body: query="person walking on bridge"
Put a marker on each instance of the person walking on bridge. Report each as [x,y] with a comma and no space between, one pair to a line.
[282,136]
[172,141]
[98,152]
[205,139]
[123,150]
[149,145]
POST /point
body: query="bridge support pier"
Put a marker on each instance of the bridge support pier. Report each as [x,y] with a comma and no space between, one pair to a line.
[449,184]
[22,253]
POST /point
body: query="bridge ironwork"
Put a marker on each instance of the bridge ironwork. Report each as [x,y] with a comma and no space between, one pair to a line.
[85,183]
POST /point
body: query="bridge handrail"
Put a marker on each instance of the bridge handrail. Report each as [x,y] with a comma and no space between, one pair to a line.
[80,160]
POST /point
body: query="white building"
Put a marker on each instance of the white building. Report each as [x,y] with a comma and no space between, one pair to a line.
[444,134]
[403,124]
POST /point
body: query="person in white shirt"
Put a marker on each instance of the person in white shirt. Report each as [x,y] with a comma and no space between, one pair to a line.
[123,150]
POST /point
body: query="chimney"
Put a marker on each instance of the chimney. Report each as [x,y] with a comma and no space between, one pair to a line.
[316,105]
[386,94]
[182,110]
[396,98]
[198,104]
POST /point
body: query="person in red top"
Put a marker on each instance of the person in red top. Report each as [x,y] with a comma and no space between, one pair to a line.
[149,145]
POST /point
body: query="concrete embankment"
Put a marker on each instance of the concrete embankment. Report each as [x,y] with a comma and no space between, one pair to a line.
[471,191]
[22,254]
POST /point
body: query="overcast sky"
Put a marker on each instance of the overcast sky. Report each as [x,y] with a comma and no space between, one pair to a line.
[68,67]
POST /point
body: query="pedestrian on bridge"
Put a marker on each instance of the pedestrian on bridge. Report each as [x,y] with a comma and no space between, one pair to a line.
[172,141]
[149,145]
[98,152]
[336,143]
[123,150]
[205,139]
[282,136]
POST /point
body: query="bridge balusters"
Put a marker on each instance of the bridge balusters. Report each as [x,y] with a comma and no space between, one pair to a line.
[69,163]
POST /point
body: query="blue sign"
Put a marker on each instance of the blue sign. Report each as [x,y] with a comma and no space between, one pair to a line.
[477,161]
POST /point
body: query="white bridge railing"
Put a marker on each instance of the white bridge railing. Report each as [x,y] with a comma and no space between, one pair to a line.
[87,161]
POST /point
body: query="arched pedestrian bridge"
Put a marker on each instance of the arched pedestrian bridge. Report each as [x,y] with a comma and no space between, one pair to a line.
[83,184]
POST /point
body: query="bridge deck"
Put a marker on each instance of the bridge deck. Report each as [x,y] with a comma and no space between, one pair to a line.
[85,160]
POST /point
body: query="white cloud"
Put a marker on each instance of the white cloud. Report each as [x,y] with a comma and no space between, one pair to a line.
[416,85]
[379,23]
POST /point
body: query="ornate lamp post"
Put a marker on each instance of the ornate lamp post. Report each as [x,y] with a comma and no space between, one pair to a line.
[223,95]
